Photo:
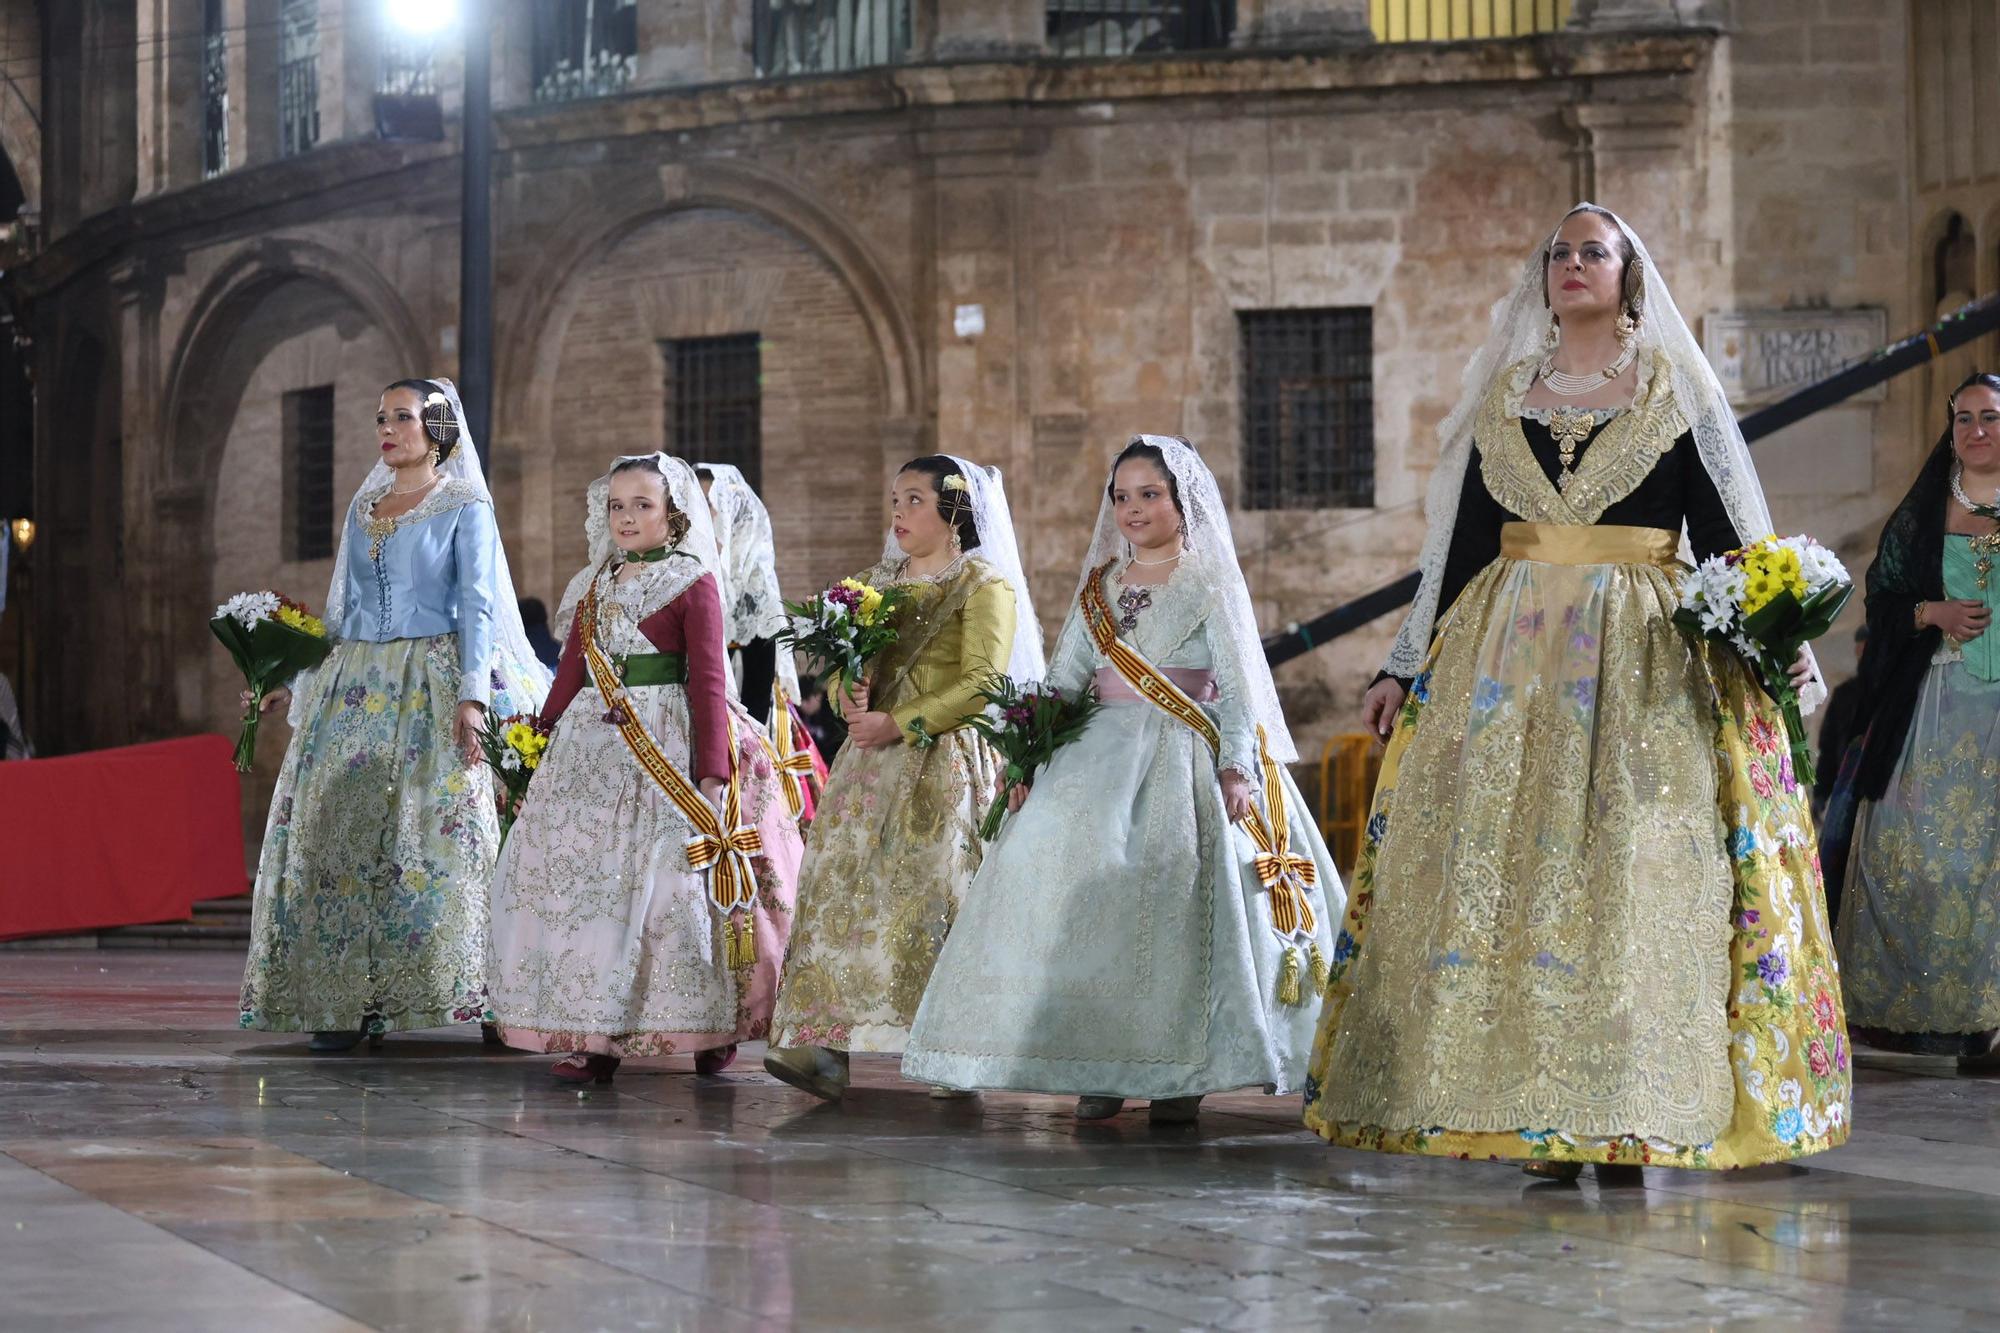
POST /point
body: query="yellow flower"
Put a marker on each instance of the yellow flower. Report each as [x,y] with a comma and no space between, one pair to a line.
[376,702]
[871,600]
[302,622]
[455,784]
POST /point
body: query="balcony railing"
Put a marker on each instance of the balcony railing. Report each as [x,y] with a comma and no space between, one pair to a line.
[584,48]
[1090,28]
[1464,20]
[827,36]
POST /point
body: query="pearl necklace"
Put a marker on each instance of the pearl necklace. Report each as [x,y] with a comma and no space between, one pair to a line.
[1151,563]
[1971,507]
[1565,385]
[436,477]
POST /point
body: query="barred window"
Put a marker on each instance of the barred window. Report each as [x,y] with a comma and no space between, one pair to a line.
[214,90]
[408,65]
[298,76]
[307,432]
[715,402]
[1308,408]
[584,48]
[828,36]
[1138,27]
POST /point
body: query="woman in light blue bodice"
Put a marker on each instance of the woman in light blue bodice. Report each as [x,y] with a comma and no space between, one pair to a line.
[370,912]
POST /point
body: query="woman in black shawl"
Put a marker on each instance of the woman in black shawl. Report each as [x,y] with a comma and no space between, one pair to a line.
[1919,934]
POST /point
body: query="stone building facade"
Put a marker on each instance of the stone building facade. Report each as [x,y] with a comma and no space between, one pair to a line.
[1113,218]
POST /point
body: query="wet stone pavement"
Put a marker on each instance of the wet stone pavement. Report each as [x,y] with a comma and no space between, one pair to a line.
[160,1170]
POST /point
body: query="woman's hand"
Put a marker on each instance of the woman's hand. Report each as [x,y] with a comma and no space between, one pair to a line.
[1237,801]
[465,731]
[272,701]
[1016,796]
[1801,668]
[875,731]
[1380,705]
[1961,620]
[854,699]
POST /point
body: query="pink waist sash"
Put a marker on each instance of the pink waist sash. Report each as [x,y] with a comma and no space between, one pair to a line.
[1196,683]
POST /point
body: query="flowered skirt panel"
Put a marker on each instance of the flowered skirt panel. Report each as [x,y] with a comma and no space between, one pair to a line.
[1117,939]
[894,844]
[1920,932]
[1588,923]
[371,888]
[601,930]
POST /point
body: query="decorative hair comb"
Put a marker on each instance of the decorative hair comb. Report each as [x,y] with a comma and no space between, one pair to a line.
[954,483]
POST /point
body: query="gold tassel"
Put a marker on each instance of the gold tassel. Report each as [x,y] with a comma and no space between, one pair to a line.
[1288,978]
[746,943]
[1322,978]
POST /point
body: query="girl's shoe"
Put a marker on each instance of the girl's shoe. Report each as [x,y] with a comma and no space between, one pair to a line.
[813,1069]
[940,1093]
[1565,1172]
[715,1059]
[489,1035]
[1174,1110]
[582,1067]
[1098,1108]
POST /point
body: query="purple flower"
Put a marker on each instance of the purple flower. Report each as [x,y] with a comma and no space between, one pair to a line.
[1791,783]
[1772,968]
[355,694]
[1585,692]
[1748,917]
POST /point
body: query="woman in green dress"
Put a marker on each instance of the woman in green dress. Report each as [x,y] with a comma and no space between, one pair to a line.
[1919,932]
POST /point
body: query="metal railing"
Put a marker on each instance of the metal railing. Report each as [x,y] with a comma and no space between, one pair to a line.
[791,37]
[1096,28]
[1464,20]
[1962,326]
[584,48]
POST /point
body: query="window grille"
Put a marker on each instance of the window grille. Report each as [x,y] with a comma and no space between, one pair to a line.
[298,76]
[827,36]
[1308,408]
[584,48]
[307,432]
[214,90]
[715,397]
[1138,27]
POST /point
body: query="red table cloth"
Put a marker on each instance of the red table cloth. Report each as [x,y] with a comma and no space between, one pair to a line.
[119,837]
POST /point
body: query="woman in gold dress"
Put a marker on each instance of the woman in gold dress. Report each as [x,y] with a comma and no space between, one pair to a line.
[1588,923]
[1920,924]
[895,842]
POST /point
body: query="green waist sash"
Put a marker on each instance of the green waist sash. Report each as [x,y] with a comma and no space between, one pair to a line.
[652,669]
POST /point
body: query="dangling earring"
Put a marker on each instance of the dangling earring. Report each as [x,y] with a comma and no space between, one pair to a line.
[434,456]
[1628,329]
[1552,338]
[956,547]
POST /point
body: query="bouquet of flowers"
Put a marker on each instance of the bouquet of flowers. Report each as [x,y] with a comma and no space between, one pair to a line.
[272,638]
[1766,600]
[513,749]
[843,628]
[1027,725]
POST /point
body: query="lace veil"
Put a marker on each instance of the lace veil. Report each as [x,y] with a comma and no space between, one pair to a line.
[1209,557]
[1519,328]
[683,489]
[751,602]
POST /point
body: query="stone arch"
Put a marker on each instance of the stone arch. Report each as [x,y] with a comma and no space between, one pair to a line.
[593,231]
[548,303]
[268,292]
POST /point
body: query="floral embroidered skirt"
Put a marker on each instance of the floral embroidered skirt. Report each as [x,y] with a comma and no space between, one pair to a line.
[604,938]
[370,903]
[1588,923]
[894,845]
[1920,932]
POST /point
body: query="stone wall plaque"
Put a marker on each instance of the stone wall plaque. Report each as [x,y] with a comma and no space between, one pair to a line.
[1762,355]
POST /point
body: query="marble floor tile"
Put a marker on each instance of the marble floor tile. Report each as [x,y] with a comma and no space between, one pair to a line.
[161,1170]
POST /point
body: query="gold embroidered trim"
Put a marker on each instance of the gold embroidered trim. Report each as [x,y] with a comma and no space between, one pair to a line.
[1623,454]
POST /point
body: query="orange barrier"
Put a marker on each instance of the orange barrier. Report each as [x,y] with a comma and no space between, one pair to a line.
[1348,766]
